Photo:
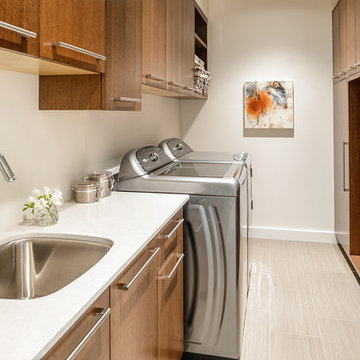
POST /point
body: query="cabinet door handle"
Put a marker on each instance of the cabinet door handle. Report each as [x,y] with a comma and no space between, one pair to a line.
[79,50]
[173,231]
[19,30]
[104,314]
[126,287]
[172,272]
[345,178]
[174,83]
[155,77]
[126,99]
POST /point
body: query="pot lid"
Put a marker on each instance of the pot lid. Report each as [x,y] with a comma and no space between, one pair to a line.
[100,175]
[85,185]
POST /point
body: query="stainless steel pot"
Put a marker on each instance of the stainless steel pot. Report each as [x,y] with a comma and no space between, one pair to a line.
[104,179]
[86,191]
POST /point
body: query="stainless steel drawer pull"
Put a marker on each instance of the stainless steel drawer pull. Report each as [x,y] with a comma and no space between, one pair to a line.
[173,231]
[155,77]
[19,30]
[172,272]
[126,287]
[79,50]
[126,99]
[174,83]
[104,314]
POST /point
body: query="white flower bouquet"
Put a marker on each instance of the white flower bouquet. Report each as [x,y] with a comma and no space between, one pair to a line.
[41,206]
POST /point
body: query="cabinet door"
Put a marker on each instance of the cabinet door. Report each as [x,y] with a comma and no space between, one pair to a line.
[341,163]
[342,36]
[188,42]
[170,304]
[73,32]
[174,43]
[134,309]
[153,42]
[350,33]
[123,46]
[89,338]
[336,41]
[357,27]
[24,15]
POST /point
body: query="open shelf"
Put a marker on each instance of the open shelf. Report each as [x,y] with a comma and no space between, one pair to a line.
[200,24]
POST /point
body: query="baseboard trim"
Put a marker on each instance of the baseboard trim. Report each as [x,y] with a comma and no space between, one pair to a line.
[292,235]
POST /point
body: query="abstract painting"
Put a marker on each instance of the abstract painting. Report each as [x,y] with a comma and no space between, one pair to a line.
[269,105]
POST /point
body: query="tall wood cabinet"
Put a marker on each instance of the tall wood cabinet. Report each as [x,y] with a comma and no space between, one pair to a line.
[19,25]
[346,52]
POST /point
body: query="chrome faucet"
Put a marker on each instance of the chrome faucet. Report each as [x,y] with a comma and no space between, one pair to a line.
[5,169]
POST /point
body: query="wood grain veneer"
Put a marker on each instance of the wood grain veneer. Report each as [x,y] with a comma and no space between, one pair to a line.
[174,40]
[134,312]
[98,347]
[354,165]
[123,50]
[153,40]
[24,14]
[79,23]
[336,41]
[70,92]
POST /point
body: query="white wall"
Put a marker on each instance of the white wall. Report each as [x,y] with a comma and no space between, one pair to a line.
[273,40]
[57,148]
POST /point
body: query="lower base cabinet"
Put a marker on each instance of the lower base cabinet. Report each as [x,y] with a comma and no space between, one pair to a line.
[89,337]
[140,317]
[134,307]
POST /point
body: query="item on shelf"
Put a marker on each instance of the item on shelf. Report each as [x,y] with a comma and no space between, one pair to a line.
[41,206]
[105,181]
[199,62]
[86,191]
[201,80]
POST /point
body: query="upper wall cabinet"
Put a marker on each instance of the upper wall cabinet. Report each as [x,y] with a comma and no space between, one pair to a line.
[73,32]
[19,25]
[122,80]
[188,43]
[153,42]
[174,45]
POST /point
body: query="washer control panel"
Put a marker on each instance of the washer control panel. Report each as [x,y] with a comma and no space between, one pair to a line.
[152,158]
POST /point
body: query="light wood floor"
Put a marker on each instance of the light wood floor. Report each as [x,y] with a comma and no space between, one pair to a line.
[304,304]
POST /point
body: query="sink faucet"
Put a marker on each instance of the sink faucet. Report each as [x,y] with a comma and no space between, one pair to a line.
[5,169]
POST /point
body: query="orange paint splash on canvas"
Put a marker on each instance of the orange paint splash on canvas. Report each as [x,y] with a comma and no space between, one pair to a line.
[258,104]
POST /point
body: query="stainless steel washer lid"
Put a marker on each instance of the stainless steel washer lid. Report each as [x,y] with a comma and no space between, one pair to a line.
[178,177]
[175,148]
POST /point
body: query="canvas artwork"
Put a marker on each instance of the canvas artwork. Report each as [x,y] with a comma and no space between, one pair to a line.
[269,105]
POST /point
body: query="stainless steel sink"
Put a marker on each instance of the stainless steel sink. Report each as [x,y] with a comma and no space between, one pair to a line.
[36,266]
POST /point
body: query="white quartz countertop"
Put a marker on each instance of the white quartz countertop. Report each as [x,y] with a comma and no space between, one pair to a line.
[29,328]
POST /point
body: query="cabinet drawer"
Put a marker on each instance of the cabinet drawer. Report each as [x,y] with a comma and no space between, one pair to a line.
[19,25]
[94,325]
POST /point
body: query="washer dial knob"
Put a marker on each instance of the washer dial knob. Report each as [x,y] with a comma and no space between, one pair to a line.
[154,157]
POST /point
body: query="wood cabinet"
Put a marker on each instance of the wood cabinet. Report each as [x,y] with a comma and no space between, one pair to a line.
[89,337]
[147,309]
[336,41]
[19,25]
[120,87]
[134,309]
[174,44]
[73,32]
[170,302]
[146,306]
[188,43]
[122,79]
[153,42]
